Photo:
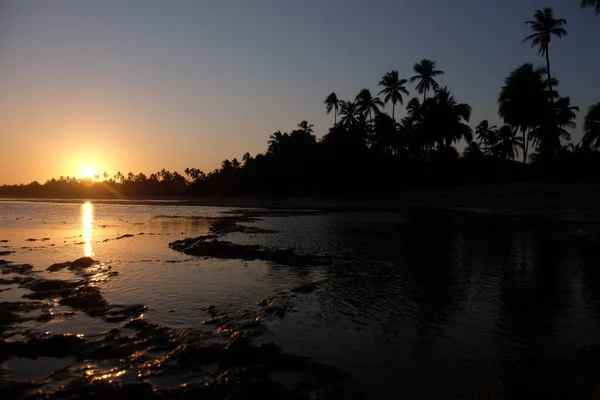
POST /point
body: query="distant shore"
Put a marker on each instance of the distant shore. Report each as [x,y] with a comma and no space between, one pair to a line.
[526,197]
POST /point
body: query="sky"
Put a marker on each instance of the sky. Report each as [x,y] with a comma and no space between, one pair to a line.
[141,85]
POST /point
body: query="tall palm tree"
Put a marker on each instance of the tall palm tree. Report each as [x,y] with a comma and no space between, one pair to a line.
[350,114]
[393,87]
[591,3]
[591,128]
[523,100]
[332,103]
[425,73]
[367,104]
[544,26]
[306,127]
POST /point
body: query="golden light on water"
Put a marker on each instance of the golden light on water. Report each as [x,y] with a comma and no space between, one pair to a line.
[87,224]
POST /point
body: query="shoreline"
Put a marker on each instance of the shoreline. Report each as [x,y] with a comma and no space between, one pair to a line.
[514,197]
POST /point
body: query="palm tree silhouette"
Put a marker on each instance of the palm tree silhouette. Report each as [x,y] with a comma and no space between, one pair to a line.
[508,143]
[544,26]
[548,135]
[350,115]
[591,128]
[332,103]
[276,142]
[425,71]
[393,87]
[591,3]
[367,104]
[523,100]
[487,135]
[449,118]
[306,127]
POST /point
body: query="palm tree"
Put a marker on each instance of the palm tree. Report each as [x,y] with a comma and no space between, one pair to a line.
[367,104]
[350,115]
[448,118]
[591,128]
[508,143]
[332,103]
[486,134]
[544,26]
[276,142]
[393,87]
[548,135]
[425,71]
[306,127]
[523,100]
[591,3]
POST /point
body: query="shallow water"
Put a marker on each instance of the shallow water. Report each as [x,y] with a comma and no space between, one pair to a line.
[404,300]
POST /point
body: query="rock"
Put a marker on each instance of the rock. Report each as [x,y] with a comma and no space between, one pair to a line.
[227,250]
[22,269]
[80,263]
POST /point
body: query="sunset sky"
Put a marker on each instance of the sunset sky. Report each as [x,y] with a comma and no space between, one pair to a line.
[124,85]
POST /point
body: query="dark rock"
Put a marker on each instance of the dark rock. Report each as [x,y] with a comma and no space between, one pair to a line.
[128,235]
[80,263]
[6,253]
[228,250]
[85,298]
[306,288]
[22,269]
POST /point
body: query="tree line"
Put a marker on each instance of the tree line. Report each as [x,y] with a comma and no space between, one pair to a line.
[367,149]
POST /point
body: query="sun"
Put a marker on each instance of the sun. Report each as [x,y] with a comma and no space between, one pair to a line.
[88,172]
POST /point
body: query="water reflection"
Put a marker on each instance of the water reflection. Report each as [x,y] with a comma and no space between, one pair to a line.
[87,224]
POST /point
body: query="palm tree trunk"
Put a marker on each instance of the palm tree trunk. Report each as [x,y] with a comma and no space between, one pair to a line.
[393,111]
[424,95]
[526,145]
[549,75]
[335,118]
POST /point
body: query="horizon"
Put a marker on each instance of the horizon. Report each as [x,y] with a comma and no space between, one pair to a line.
[88,88]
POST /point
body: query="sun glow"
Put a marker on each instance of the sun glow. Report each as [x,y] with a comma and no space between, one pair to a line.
[88,172]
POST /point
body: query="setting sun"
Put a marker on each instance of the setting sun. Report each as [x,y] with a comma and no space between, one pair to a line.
[88,172]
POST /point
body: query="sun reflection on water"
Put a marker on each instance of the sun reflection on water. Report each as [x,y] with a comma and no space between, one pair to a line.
[87,223]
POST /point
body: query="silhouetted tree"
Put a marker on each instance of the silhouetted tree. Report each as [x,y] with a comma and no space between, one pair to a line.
[367,104]
[473,151]
[591,127]
[446,120]
[523,100]
[277,141]
[487,135]
[591,3]
[332,103]
[507,144]
[350,114]
[548,135]
[306,127]
[425,73]
[393,88]
[544,26]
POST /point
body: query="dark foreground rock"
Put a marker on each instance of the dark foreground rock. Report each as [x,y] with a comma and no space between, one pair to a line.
[227,250]
[235,369]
